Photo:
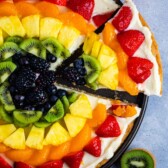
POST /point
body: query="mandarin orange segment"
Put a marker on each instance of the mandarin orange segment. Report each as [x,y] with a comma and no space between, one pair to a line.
[47,9]
[58,152]
[20,155]
[99,115]
[7,9]
[130,111]
[26,9]
[81,140]
[119,111]
[127,83]
[3,148]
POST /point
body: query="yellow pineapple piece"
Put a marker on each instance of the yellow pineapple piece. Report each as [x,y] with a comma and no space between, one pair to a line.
[89,41]
[6,130]
[1,37]
[35,138]
[96,48]
[81,107]
[74,124]
[49,27]
[12,26]
[109,77]
[56,135]
[67,36]
[16,140]
[107,56]
[31,25]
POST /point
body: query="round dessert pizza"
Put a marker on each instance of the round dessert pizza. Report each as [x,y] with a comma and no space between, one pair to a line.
[70,75]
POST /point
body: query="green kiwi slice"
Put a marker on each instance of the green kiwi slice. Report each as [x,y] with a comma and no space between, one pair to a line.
[55,113]
[34,47]
[4,115]
[5,97]
[42,123]
[19,124]
[54,47]
[8,49]
[27,117]
[72,97]
[137,158]
[65,102]
[93,85]
[93,68]
[14,39]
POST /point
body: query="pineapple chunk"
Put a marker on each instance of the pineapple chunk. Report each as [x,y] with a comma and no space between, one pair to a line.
[32,25]
[1,37]
[107,56]
[35,138]
[49,27]
[16,140]
[96,48]
[6,130]
[74,124]
[89,41]
[68,35]
[109,77]
[12,26]
[81,107]
[57,135]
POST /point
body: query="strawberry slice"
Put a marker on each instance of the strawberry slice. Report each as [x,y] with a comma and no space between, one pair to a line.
[94,147]
[74,160]
[21,165]
[122,20]
[130,41]
[109,128]
[100,19]
[58,2]
[82,7]
[4,164]
[139,69]
[52,164]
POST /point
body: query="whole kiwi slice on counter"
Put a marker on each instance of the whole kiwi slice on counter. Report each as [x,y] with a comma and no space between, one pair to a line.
[72,97]
[4,115]
[93,68]
[5,97]
[55,47]
[8,49]
[55,113]
[65,103]
[14,39]
[137,158]
[26,116]
[34,47]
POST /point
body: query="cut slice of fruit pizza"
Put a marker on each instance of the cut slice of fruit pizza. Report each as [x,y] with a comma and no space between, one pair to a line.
[70,80]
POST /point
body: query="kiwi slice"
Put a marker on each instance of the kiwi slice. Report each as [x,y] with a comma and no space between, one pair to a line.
[56,112]
[42,123]
[4,115]
[54,47]
[8,49]
[26,116]
[5,97]
[65,102]
[137,158]
[93,85]
[72,97]
[19,124]
[14,39]
[6,68]
[93,68]
[34,47]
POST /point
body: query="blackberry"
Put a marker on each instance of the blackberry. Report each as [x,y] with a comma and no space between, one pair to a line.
[16,57]
[38,64]
[81,81]
[71,74]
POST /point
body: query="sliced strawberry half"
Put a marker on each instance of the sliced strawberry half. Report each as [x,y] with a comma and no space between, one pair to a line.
[58,2]
[139,69]
[122,20]
[4,164]
[74,160]
[130,41]
[83,7]
[52,164]
[94,147]
[21,165]
[109,128]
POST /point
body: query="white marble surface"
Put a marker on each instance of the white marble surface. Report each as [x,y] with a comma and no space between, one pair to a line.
[153,133]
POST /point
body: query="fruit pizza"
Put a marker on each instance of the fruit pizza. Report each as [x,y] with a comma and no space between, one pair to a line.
[70,75]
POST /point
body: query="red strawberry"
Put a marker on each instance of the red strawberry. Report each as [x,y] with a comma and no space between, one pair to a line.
[4,164]
[100,19]
[130,41]
[109,128]
[52,164]
[21,165]
[58,2]
[122,20]
[74,160]
[94,147]
[139,69]
[83,7]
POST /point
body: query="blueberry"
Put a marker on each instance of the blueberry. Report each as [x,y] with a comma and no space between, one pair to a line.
[81,81]
[31,108]
[53,99]
[19,104]
[61,93]
[79,63]
[52,90]
[82,71]
[51,58]
[24,60]
[19,98]
[47,106]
